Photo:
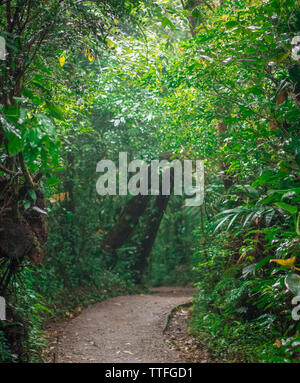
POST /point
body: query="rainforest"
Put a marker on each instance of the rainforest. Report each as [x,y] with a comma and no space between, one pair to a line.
[134,276]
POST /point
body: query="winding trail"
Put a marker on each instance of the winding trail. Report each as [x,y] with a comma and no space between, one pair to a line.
[126,329]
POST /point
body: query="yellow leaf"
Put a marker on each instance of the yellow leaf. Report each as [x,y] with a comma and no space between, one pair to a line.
[277,343]
[116,21]
[110,43]
[290,262]
[62,60]
[282,57]
[90,57]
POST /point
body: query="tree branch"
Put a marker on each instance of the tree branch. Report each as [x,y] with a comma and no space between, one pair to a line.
[7,171]
[25,170]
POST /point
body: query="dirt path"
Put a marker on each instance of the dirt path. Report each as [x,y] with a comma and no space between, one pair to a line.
[122,330]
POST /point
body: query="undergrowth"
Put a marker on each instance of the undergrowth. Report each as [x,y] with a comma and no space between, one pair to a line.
[242,318]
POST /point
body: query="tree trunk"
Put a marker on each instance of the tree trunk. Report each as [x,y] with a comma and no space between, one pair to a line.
[126,224]
[152,226]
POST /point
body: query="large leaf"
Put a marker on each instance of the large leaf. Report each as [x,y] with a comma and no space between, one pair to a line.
[289,208]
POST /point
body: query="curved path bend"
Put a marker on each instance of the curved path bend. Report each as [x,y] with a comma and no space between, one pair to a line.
[126,329]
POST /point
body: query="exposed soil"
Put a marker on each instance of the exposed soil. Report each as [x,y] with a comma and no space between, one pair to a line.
[127,329]
[180,341]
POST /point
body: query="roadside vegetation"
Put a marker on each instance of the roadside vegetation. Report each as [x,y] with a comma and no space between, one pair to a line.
[217,81]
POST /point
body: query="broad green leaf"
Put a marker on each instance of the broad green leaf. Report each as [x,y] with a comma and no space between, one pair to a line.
[289,208]
[52,181]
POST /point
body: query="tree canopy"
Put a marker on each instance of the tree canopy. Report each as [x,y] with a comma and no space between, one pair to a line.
[192,79]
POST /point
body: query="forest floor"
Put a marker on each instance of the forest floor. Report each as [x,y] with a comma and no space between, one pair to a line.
[129,329]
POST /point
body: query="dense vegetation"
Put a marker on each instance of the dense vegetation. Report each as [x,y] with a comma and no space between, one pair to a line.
[212,80]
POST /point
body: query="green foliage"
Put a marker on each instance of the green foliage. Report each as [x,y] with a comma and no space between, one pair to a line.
[170,262]
[241,318]
[217,81]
